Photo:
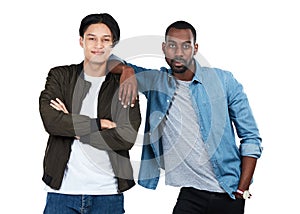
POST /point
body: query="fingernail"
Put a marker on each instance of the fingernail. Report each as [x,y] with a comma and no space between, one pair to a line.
[132,105]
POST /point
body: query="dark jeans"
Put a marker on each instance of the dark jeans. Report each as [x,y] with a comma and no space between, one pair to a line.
[193,201]
[84,204]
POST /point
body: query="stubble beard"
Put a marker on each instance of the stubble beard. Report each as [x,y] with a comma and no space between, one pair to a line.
[179,69]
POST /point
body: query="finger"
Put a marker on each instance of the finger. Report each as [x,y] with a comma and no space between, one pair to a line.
[128,94]
[55,107]
[134,97]
[121,93]
[62,106]
[114,125]
[134,93]
[124,100]
[55,104]
[59,101]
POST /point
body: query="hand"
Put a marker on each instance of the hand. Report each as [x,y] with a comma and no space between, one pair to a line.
[59,105]
[128,87]
[107,124]
[237,195]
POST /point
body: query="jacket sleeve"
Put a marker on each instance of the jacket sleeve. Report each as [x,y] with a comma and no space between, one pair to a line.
[243,119]
[57,122]
[122,137]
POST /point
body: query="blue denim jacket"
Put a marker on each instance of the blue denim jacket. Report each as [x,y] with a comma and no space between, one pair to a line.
[220,104]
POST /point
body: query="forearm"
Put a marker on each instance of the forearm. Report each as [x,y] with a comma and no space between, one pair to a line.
[123,136]
[65,124]
[110,139]
[115,66]
[248,167]
[69,125]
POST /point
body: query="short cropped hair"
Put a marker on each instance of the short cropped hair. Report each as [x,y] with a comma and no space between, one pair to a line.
[182,25]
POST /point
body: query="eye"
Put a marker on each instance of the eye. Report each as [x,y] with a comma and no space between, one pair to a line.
[171,45]
[107,40]
[186,46]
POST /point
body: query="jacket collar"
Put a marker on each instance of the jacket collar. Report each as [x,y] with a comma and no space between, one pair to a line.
[198,77]
[198,74]
[80,70]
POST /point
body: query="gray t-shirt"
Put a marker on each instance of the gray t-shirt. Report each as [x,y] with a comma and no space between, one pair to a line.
[186,159]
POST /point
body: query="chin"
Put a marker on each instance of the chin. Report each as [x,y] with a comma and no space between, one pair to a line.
[179,70]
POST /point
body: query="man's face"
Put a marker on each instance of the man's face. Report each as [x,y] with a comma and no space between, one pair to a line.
[97,43]
[179,49]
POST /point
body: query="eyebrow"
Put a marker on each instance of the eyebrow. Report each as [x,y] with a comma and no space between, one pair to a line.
[176,42]
[91,34]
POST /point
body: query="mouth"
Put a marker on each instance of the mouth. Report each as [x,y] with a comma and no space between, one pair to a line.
[98,52]
[178,62]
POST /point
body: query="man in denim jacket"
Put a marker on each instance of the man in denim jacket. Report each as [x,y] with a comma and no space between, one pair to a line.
[191,118]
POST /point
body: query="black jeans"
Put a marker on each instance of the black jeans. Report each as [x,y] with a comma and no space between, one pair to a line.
[193,201]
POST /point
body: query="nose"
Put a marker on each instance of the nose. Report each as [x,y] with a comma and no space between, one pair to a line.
[99,44]
[178,51]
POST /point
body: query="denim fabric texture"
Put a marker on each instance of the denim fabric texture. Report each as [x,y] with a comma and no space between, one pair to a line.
[84,204]
[222,108]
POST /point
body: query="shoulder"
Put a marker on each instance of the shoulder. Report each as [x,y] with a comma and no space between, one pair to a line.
[64,74]
[112,77]
[224,76]
[220,72]
[65,68]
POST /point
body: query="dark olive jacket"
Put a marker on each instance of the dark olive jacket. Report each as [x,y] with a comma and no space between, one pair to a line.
[67,84]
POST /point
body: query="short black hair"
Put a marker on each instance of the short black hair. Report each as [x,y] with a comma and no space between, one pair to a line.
[182,25]
[104,18]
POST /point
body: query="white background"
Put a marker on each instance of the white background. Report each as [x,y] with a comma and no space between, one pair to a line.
[258,41]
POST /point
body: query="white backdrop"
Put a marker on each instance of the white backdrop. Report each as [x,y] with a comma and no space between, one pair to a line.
[258,41]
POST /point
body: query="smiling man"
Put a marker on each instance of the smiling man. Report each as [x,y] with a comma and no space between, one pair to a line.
[86,164]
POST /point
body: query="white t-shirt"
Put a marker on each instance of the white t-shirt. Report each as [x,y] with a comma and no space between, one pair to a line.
[89,170]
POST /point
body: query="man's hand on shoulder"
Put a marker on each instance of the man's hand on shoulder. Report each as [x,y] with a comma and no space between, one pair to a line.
[128,87]
[128,84]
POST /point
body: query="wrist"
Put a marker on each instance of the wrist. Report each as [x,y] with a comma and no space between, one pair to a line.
[238,196]
[245,194]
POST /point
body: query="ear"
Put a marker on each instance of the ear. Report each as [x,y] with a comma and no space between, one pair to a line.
[163,46]
[81,41]
[195,48]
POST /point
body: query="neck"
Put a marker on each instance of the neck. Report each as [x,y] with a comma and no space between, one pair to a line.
[186,76]
[94,69]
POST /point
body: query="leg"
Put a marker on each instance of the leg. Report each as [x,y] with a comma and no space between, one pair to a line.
[191,201]
[62,204]
[106,204]
[221,203]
